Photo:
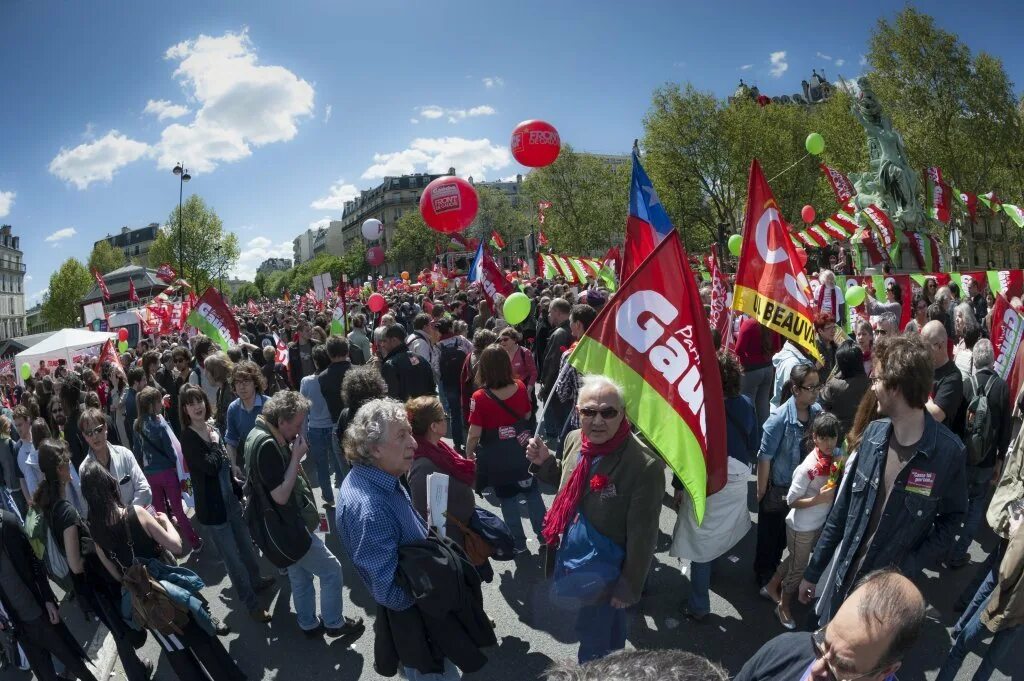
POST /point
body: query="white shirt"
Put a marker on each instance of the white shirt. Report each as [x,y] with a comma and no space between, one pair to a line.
[802,487]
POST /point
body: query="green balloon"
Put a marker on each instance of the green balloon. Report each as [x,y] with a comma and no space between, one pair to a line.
[122,346]
[855,295]
[735,244]
[815,144]
[26,371]
[516,308]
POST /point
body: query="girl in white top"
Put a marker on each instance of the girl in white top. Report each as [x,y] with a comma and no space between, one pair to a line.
[810,498]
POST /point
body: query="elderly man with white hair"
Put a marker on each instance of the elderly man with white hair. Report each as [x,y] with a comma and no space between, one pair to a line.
[986,442]
[608,504]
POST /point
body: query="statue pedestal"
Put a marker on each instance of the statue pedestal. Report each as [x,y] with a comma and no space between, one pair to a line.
[904,261]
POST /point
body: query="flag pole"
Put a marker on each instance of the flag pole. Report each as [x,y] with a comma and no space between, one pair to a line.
[544,410]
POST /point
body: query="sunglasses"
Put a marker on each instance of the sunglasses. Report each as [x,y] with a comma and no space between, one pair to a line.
[95,431]
[809,388]
[608,413]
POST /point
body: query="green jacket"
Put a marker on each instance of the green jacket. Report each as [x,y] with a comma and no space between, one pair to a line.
[627,510]
[263,440]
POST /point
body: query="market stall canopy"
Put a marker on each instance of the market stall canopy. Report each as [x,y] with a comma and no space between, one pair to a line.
[66,344]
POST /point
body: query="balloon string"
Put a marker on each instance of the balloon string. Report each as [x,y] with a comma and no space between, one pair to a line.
[789,168]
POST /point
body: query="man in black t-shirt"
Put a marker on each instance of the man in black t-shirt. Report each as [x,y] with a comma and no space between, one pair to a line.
[947,385]
[866,640]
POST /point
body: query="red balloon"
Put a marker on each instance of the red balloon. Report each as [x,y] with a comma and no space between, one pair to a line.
[449,204]
[376,302]
[375,256]
[122,334]
[807,213]
[535,143]
[801,256]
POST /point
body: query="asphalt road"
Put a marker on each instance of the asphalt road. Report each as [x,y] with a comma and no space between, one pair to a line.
[531,633]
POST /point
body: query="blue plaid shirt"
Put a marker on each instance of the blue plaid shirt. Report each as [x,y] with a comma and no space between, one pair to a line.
[374,517]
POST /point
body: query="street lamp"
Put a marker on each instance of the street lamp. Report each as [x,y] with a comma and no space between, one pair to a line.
[220,268]
[183,177]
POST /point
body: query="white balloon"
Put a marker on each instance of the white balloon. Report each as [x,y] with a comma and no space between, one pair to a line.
[372,229]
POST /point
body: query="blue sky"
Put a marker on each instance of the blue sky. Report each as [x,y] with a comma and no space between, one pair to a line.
[284,109]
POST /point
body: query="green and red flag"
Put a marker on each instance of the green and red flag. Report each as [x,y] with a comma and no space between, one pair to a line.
[1006,332]
[991,201]
[841,185]
[968,200]
[926,251]
[652,339]
[1015,213]
[938,194]
[609,272]
[771,285]
[213,317]
[497,243]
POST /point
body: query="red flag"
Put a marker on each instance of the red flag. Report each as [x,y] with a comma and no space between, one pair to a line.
[1006,332]
[938,194]
[489,276]
[652,338]
[166,273]
[102,284]
[541,239]
[109,354]
[255,310]
[132,295]
[720,317]
[281,351]
[613,259]
[884,225]
[770,285]
[841,185]
[496,240]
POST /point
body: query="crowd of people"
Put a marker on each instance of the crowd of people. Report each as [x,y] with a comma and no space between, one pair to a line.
[877,461]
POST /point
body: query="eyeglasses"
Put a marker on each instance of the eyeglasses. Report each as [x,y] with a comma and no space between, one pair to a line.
[818,643]
[608,413]
[809,388]
[95,431]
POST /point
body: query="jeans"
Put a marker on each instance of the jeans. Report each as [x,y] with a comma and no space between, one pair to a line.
[166,488]
[978,487]
[318,562]
[700,583]
[234,544]
[454,412]
[322,450]
[342,464]
[969,631]
[534,508]
[757,384]
[450,673]
[601,629]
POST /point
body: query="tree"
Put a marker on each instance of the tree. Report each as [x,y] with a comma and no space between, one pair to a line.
[105,258]
[208,250]
[261,283]
[245,293]
[353,263]
[413,245]
[588,202]
[277,282]
[68,285]
[301,277]
[497,214]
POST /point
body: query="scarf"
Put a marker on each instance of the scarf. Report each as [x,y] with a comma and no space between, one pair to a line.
[562,510]
[823,465]
[447,459]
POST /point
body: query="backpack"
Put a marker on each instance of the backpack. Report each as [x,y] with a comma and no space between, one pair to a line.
[199,375]
[152,607]
[452,359]
[979,430]
[46,550]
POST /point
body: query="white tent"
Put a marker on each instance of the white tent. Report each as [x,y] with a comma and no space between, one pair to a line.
[66,344]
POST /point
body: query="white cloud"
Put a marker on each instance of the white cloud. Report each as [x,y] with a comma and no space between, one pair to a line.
[778,62]
[863,60]
[328,110]
[414,121]
[255,252]
[37,297]
[242,103]
[336,196]
[6,201]
[321,223]
[97,161]
[162,108]
[840,62]
[62,234]
[746,67]
[437,155]
[493,82]
[821,56]
[848,85]
[28,278]
[432,111]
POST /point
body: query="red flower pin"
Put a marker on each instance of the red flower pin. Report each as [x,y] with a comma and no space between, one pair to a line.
[598,483]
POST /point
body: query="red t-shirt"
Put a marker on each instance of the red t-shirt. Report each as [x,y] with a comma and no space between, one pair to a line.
[486,413]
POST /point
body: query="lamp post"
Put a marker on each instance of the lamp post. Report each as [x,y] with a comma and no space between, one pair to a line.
[183,177]
[220,269]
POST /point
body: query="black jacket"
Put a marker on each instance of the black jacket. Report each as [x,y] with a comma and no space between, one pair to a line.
[330,380]
[407,375]
[557,342]
[204,461]
[447,621]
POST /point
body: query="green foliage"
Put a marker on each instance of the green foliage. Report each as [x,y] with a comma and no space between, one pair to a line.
[208,251]
[105,258]
[413,245]
[589,200]
[261,283]
[276,283]
[497,213]
[68,285]
[301,277]
[353,263]
[246,292]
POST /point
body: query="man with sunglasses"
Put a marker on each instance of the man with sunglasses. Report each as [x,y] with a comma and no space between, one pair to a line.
[119,461]
[866,640]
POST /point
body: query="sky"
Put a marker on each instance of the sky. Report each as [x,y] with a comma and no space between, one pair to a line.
[281,111]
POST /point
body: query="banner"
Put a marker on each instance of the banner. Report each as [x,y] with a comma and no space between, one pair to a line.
[496,241]
[609,272]
[839,227]
[937,194]
[1008,282]
[770,285]
[969,201]
[132,295]
[166,273]
[213,317]
[991,202]
[653,340]
[841,185]
[102,284]
[1016,214]
[719,316]
[926,251]
[1006,331]
[575,270]
[490,277]
[886,230]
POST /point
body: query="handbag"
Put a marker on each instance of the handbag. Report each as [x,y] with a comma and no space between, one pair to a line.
[281,536]
[586,566]
[501,460]
[477,549]
[495,532]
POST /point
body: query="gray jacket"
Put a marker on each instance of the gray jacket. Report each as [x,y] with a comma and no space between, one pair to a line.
[131,483]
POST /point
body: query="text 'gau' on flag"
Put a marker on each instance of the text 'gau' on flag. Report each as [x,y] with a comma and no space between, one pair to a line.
[653,339]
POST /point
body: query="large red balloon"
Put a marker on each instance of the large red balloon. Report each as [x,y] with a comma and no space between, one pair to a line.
[375,256]
[807,213]
[535,143]
[122,334]
[449,204]
[376,302]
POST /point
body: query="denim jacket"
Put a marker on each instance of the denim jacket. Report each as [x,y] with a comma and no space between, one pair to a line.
[157,450]
[781,440]
[920,517]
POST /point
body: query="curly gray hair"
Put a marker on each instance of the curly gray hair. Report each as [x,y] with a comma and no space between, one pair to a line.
[284,406]
[369,428]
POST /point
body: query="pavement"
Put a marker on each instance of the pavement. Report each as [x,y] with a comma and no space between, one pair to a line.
[532,634]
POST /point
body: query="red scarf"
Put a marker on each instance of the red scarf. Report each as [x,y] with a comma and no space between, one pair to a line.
[447,459]
[562,510]
[823,466]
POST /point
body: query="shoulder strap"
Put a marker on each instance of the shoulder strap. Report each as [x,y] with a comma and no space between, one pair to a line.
[504,406]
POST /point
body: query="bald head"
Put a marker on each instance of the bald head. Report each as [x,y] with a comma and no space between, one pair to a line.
[934,336]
